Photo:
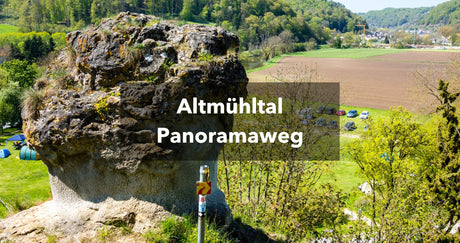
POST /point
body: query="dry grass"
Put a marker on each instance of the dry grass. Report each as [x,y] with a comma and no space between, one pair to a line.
[33,103]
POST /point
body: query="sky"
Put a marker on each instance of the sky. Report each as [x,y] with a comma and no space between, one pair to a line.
[358,6]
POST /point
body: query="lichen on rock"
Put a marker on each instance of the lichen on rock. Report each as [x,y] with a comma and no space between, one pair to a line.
[95,127]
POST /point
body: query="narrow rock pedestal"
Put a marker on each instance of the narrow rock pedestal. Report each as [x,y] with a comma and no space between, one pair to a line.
[95,117]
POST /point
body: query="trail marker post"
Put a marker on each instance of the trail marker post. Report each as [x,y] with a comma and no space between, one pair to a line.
[203,188]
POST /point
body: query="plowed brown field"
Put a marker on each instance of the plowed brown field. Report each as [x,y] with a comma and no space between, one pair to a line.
[377,82]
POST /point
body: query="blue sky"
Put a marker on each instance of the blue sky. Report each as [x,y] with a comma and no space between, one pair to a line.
[357,6]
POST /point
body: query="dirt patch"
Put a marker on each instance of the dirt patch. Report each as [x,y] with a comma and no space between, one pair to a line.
[366,82]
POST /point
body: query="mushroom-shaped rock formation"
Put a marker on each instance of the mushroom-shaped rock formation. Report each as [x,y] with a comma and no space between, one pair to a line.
[94,119]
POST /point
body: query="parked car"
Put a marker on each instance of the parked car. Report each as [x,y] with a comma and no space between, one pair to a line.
[332,124]
[330,111]
[352,113]
[303,112]
[321,109]
[307,121]
[341,112]
[306,113]
[321,122]
[349,126]
[364,115]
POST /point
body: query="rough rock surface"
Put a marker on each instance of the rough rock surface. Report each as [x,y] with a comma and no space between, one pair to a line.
[95,121]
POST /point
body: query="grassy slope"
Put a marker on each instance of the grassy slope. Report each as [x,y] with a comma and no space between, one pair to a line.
[23,183]
[5,28]
[345,174]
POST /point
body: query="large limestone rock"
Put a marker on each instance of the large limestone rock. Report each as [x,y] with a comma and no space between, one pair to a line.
[95,121]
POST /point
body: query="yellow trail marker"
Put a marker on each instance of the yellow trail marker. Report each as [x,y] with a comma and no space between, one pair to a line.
[203,188]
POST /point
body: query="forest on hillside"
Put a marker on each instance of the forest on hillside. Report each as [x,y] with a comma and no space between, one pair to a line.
[253,20]
[447,13]
[394,17]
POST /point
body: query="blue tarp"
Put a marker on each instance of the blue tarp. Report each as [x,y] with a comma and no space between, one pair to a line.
[18,137]
[4,153]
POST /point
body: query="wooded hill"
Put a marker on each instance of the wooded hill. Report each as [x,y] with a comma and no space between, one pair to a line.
[328,13]
[447,13]
[253,20]
[395,17]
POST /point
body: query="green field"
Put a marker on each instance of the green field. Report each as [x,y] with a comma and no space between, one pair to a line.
[355,53]
[6,28]
[23,183]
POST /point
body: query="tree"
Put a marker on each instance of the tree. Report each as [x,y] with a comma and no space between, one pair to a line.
[401,39]
[20,72]
[427,40]
[287,40]
[186,13]
[15,52]
[15,77]
[350,40]
[10,105]
[278,185]
[51,45]
[386,41]
[3,79]
[34,48]
[338,42]
[269,46]
[388,155]
[444,172]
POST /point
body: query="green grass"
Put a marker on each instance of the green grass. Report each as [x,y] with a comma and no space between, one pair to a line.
[23,183]
[6,28]
[360,123]
[354,53]
[270,63]
[373,114]
[344,175]
[174,229]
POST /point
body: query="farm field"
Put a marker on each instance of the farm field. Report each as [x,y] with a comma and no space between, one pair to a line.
[380,81]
